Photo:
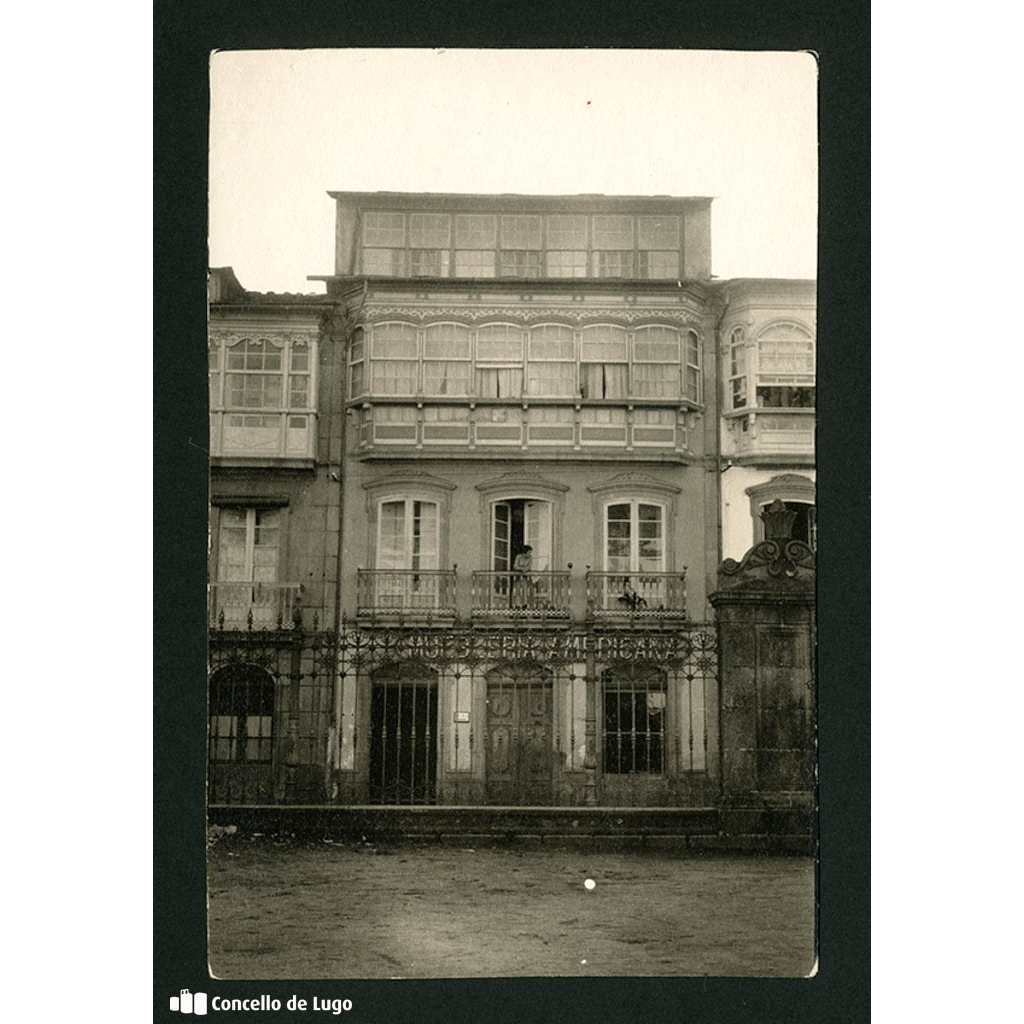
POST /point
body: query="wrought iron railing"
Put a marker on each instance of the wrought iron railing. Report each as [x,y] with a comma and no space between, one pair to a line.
[409,593]
[636,595]
[240,605]
[534,596]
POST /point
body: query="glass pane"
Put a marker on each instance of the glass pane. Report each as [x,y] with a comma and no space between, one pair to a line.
[446,341]
[553,380]
[520,232]
[384,262]
[475,231]
[474,263]
[659,265]
[445,378]
[551,342]
[429,262]
[567,231]
[384,229]
[394,341]
[499,344]
[656,345]
[613,232]
[430,230]
[653,380]
[391,547]
[393,377]
[299,392]
[520,263]
[658,232]
[357,380]
[614,263]
[424,535]
[571,263]
[603,344]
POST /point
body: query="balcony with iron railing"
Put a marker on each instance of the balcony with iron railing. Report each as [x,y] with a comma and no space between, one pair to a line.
[256,605]
[408,595]
[537,596]
[636,596]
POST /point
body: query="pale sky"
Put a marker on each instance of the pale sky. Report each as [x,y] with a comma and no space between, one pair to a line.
[288,125]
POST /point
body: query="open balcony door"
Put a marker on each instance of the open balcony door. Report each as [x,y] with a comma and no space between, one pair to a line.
[537,532]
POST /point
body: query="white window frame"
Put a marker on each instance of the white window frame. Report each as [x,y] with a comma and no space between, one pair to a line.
[739,382]
[219,391]
[359,345]
[409,502]
[796,379]
[374,358]
[250,544]
[675,385]
[572,360]
[634,539]
[467,360]
[498,362]
[618,332]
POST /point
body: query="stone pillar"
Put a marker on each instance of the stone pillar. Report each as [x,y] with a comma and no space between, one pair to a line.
[765,610]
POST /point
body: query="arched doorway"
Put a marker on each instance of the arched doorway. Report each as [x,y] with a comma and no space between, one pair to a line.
[520,748]
[241,737]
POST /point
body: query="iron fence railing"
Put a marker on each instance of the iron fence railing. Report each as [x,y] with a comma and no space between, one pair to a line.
[636,595]
[239,605]
[426,593]
[533,596]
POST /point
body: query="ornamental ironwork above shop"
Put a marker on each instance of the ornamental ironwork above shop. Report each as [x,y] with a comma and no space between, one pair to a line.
[361,649]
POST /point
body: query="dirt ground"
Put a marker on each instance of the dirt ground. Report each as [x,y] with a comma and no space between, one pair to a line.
[281,908]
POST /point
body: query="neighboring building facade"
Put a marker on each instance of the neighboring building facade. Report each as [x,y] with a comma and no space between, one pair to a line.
[493,462]
[275,421]
[767,359]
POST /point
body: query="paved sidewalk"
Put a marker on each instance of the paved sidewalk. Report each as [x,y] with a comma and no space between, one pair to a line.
[289,909]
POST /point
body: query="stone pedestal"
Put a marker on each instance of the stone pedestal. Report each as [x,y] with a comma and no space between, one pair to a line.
[765,609]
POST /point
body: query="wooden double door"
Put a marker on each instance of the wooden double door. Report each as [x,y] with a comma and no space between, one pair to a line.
[520,753]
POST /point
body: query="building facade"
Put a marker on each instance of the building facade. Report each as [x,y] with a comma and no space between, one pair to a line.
[469,505]
[767,376]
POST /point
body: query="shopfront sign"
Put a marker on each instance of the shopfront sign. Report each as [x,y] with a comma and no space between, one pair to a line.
[453,646]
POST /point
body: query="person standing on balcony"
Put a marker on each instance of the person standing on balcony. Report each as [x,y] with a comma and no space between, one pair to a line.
[522,584]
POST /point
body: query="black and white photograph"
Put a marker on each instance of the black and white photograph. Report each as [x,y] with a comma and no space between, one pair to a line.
[512,514]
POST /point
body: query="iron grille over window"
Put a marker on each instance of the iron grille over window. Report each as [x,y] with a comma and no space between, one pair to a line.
[403,743]
[241,715]
[634,722]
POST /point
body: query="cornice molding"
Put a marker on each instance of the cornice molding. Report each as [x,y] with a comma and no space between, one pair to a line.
[520,479]
[260,332]
[633,481]
[412,478]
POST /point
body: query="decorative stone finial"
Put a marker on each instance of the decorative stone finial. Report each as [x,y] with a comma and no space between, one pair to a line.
[778,521]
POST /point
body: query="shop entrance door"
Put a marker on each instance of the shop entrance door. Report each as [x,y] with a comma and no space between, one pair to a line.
[519,739]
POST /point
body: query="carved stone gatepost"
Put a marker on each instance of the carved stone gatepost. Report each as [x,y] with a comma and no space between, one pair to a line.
[765,609]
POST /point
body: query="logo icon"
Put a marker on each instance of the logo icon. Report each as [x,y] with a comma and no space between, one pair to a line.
[188,1002]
